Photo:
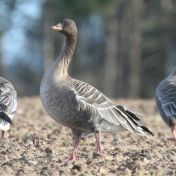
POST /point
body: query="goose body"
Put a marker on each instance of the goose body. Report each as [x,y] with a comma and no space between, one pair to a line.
[165,96]
[78,105]
[8,104]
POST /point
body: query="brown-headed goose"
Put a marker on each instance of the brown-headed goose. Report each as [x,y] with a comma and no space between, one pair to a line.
[78,105]
[8,104]
[165,96]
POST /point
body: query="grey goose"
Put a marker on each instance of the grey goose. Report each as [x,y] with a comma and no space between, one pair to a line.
[8,104]
[78,105]
[165,96]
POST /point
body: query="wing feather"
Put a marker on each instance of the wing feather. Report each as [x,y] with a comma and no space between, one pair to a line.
[169,109]
[166,99]
[8,102]
[107,111]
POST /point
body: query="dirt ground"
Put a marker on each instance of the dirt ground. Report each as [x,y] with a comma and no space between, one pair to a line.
[37,145]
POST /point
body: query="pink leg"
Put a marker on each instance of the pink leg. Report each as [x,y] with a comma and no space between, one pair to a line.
[2,135]
[98,142]
[72,156]
[173,129]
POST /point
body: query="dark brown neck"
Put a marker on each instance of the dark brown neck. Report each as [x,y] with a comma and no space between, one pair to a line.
[66,55]
[69,49]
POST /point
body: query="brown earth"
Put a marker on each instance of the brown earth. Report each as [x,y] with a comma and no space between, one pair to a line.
[37,145]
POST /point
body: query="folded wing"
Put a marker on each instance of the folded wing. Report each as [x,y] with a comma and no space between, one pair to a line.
[8,103]
[108,115]
[166,100]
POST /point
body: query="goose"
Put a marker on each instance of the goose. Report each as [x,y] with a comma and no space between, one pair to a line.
[8,105]
[78,105]
[165,96]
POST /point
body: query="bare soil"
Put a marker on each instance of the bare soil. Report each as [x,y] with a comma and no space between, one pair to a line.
[37,145]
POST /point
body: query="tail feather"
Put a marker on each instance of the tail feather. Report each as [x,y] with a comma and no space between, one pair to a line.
[5,117]
[134,121]
[147,130]
[133,115]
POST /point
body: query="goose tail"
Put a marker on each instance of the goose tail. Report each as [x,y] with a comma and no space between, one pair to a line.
[134,121]
[5,117]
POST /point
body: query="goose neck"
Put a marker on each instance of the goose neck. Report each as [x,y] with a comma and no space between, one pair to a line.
[69,48]
[65,57]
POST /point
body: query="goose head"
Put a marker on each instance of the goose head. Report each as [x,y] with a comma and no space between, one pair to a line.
[173,74]
[67,27]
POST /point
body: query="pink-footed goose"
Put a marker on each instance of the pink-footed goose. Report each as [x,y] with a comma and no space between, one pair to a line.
[78,105]
[165,96]
[8,104]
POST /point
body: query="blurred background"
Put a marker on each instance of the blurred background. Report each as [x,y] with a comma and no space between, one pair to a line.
[125,47]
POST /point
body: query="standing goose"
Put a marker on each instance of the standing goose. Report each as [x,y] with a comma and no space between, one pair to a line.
[78,105]
[165,97]
[8,104]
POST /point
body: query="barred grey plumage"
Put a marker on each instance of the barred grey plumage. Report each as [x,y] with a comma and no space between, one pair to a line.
[78,105]
[165,96]
[8,104]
